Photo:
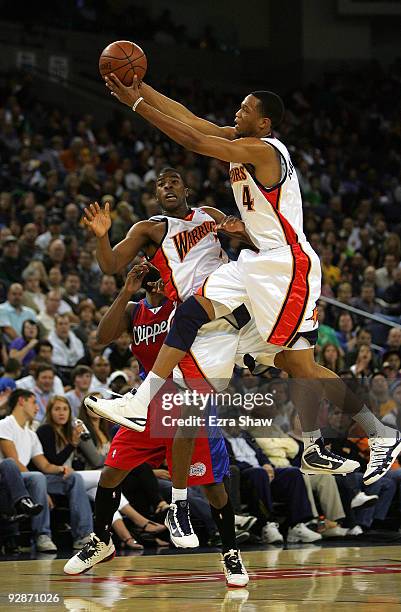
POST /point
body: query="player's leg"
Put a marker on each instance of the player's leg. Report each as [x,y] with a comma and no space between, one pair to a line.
[100,548]
[224,517]
[309,377]
[222,292]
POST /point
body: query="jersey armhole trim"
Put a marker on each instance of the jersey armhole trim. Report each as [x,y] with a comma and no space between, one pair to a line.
[281,181]
[155,218]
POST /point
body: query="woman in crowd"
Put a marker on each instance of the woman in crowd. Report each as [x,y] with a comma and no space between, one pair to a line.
[331,358]
[345,334]
[22,348]
[61,439]
[363,367]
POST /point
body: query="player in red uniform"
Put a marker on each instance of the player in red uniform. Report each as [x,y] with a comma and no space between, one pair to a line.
[147,320]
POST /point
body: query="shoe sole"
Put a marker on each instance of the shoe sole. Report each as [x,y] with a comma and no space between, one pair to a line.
[120,420]
[174,540]
[394,454]
[109,558]
[312,471]
[367,504]
[236,586]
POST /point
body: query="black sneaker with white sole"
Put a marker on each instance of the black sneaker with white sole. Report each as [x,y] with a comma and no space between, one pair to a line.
[234,569]
[383,453]
[317,459]
[179,525]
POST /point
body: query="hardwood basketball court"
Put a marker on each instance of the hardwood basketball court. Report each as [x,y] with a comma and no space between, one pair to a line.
[309,579]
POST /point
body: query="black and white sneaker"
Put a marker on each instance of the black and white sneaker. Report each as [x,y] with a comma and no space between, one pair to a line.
[179,525]
[125,410]
[317,459]
[95,551]
[234,569]
[383,453]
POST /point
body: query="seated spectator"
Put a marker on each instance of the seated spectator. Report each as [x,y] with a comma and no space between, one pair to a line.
[67,348]
[393,417]
[330,357]
[122,222]
[326,334]
[55,257]
[47,318]
[13,314]
[394,340]
[367,302]
[107,291]
[34,296]
[331,273]
[81,377]
[22,348]
[120,354]
[392,294]
[345,334]
[379,388]
[263,483]
[89,272]
[60,439]
[72,296]
[363,336]
[101,372]
[86,314]
[384,275]
[28,249]
[55,279]
[92,349]
[44,351]
[117,381]
[364,365]
[19,442]
[11,265]
[43,382]
[53,232]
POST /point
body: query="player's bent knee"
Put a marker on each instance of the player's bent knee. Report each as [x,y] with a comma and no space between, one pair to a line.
[111,477]
[188,319]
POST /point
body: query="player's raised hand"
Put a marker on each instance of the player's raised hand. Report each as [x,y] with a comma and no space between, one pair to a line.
[157,287]
[127,95]
[231,224]
[98,219]
[134,279]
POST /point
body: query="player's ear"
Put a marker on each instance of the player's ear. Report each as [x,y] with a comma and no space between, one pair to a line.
[186,192]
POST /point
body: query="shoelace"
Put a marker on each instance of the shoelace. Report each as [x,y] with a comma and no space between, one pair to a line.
[183,523]
[89,549]
[378,454]
[329,455]
[233,562]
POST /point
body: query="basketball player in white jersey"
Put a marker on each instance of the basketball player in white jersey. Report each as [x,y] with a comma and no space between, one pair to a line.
[281,283]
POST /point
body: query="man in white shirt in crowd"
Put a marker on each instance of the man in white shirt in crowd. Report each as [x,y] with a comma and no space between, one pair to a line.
[43,382]
[101,371]
[20,443]
[52,306]
[67,347]
[13,313]
[81,378]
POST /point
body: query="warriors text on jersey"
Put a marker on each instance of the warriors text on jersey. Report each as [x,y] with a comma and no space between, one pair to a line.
[149,329]
[188,253]
[273,217]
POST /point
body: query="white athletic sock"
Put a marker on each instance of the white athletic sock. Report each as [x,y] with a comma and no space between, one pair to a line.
[148,389]
[178,495]
[309,437]
[372,425]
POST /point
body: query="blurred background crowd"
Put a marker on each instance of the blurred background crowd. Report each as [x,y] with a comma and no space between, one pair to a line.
[344,134]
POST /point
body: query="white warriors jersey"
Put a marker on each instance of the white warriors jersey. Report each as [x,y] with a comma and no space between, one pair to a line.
[273,217]
[189,252]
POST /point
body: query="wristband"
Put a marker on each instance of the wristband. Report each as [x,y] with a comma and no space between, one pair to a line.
[136,103]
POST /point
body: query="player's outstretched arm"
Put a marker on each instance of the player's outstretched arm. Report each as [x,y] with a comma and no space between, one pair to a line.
[117,318]
[243,150]
[113,260]
[176,110]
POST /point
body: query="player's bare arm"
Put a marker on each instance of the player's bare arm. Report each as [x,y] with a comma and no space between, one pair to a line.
[140,237]
[117,318]
[176,110]
[230,225]
[253,151]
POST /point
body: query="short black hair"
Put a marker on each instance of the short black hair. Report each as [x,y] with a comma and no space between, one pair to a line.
[271,106]
[15,396]
[12,366]
[168,170]
[79,371]
[44,367]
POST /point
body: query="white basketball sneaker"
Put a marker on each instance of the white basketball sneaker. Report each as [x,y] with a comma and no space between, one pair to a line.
[234,569]
[383,453]
[95,551]
[125,410]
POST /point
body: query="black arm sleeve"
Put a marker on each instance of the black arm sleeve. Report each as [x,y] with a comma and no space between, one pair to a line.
[48,440]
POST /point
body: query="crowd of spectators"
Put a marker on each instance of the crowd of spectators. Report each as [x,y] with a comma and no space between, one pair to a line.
[345,146]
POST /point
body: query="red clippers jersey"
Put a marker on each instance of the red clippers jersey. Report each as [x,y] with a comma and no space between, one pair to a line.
[149,329]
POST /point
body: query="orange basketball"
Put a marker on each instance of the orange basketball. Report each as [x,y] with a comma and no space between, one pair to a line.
[125,59]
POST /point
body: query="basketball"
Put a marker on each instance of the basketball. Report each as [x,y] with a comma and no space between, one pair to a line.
[124,59]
